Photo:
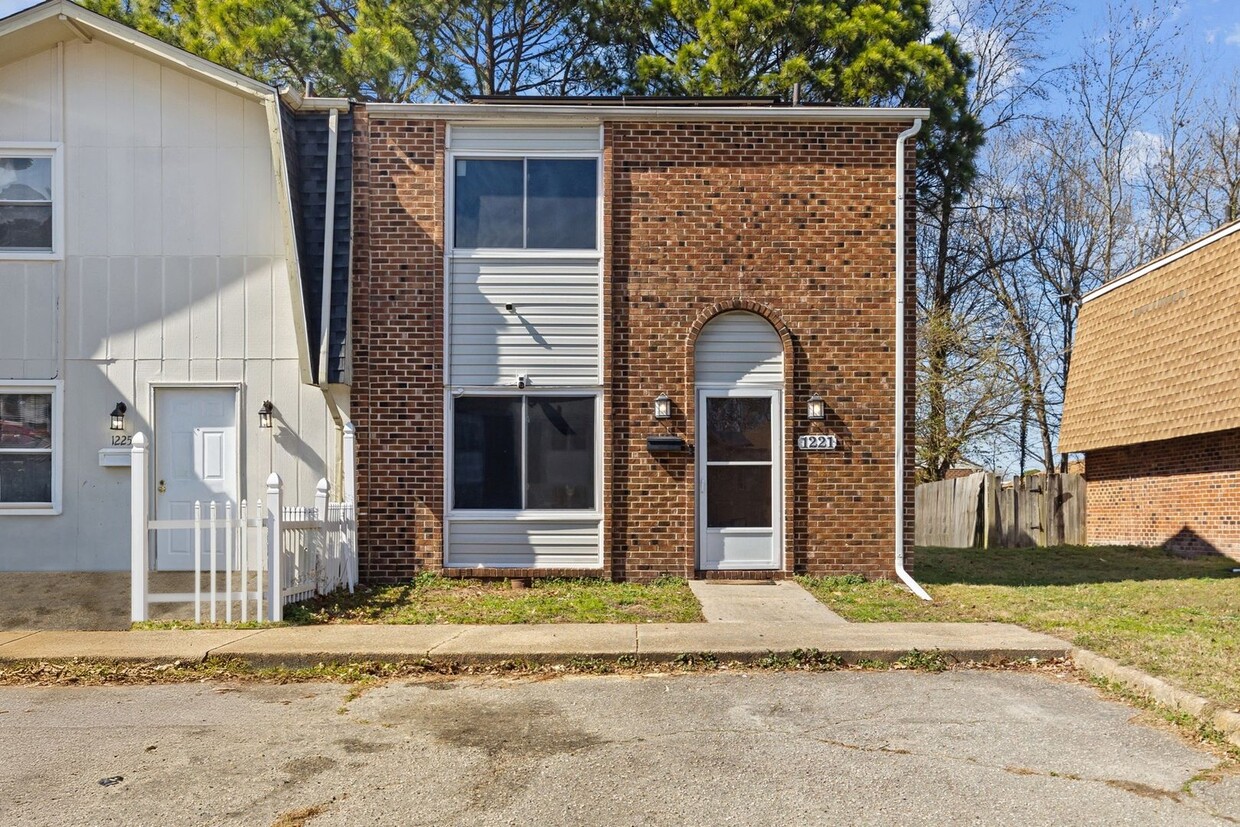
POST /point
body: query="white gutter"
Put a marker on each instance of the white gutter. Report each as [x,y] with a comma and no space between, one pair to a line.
[900,305]
[542,113]
[329,232]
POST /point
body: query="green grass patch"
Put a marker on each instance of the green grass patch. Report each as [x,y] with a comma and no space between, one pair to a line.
[432,598]
[1177,618]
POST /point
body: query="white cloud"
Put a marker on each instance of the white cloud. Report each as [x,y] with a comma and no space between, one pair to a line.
[1233,36]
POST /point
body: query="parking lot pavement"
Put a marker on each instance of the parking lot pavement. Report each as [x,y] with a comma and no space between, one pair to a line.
[965,747]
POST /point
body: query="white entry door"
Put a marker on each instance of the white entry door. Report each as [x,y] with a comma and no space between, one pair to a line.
[740,479]
[195,460]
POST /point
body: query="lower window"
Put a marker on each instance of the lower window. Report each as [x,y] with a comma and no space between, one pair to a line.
[514,453]
[26,447]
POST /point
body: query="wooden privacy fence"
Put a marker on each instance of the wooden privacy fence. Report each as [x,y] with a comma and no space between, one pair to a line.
[264,552]
[982,511]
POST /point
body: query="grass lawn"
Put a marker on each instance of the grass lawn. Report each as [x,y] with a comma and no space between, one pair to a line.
[1175,618]
[430,598]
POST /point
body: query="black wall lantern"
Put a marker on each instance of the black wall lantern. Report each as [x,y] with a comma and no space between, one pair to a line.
[118,417]
[662,407]
[264,414]
[816,408]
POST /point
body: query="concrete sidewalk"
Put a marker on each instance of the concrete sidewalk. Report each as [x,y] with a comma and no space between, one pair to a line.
[784,601]
[294,646]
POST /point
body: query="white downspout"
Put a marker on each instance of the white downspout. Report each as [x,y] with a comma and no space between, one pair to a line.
[900,310]
[329,233]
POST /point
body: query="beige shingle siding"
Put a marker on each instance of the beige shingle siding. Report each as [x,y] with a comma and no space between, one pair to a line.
[1159,357]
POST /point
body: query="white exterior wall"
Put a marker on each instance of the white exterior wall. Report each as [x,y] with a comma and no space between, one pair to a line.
[174,272]
[552,336]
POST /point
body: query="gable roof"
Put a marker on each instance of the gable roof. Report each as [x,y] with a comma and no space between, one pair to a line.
[42,26]
[1157,351]
[45,24]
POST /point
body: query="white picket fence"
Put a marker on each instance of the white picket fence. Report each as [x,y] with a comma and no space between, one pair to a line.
[266,553]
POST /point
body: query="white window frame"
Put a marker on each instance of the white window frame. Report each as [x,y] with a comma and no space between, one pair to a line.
[523,155]
[55,151]
[56,389]
[539,514]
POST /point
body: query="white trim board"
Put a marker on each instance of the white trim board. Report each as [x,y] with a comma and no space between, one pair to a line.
[551,114]
[1162,261]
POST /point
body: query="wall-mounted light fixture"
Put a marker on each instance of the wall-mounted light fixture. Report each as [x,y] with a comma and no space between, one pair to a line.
[118,417]
[662,406]
[815,408]
[264,414]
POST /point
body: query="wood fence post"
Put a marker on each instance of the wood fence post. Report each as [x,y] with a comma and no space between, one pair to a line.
[350,462]
[139,537]
[321,577]
[275,548]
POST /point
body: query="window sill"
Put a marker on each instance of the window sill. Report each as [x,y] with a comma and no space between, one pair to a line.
[30,510]
[7,255]
[522,253]
[543,516]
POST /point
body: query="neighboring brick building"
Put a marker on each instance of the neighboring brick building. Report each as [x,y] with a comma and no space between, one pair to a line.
[530,277]
[1153,401]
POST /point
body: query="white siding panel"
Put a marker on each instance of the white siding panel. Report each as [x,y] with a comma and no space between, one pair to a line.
[149,308]
[86,94]
[148,209]
[86,187]
[466,139]
[122,176]
[120,90]
[552,333]
[524,544]
[121,307]
[92,298]
[28,97]
[739,349]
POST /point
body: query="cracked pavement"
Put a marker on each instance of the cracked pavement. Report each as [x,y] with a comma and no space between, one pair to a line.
[964,747]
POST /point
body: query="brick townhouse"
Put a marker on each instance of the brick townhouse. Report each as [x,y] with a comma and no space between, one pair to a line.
[633,337]
[1152,401]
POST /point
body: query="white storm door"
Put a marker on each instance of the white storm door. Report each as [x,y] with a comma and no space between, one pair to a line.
[740,479]
[195,461]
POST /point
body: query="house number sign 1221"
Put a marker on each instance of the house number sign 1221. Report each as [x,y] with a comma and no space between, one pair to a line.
[816,442]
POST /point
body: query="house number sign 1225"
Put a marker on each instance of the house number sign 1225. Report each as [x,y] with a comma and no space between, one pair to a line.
[816,442]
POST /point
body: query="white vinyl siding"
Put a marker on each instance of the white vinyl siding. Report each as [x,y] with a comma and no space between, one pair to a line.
[532,139]
[551,335]
[739,349]
[524,544]
[173,273]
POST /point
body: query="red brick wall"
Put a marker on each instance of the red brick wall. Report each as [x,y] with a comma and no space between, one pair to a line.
[792,221]
[1183,494]
[396,399]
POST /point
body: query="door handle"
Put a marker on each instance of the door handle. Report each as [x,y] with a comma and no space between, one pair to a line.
[162,487]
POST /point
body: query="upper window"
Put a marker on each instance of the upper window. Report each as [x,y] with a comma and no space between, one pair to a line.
[523,452]
[526,203]
[27,443]
[28,195]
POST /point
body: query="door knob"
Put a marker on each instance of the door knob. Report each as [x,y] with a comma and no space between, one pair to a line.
[162,487]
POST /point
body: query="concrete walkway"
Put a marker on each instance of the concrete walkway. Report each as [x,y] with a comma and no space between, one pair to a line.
[546,643]
[774,602]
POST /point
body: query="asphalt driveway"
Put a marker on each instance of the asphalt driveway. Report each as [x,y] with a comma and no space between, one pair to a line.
[967,747]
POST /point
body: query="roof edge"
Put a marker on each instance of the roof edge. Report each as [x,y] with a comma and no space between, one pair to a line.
[542,113]
[135,40]
[1163,260]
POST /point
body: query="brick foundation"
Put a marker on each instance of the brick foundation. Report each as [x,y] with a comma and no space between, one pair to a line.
[1183,494]
[794,222]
